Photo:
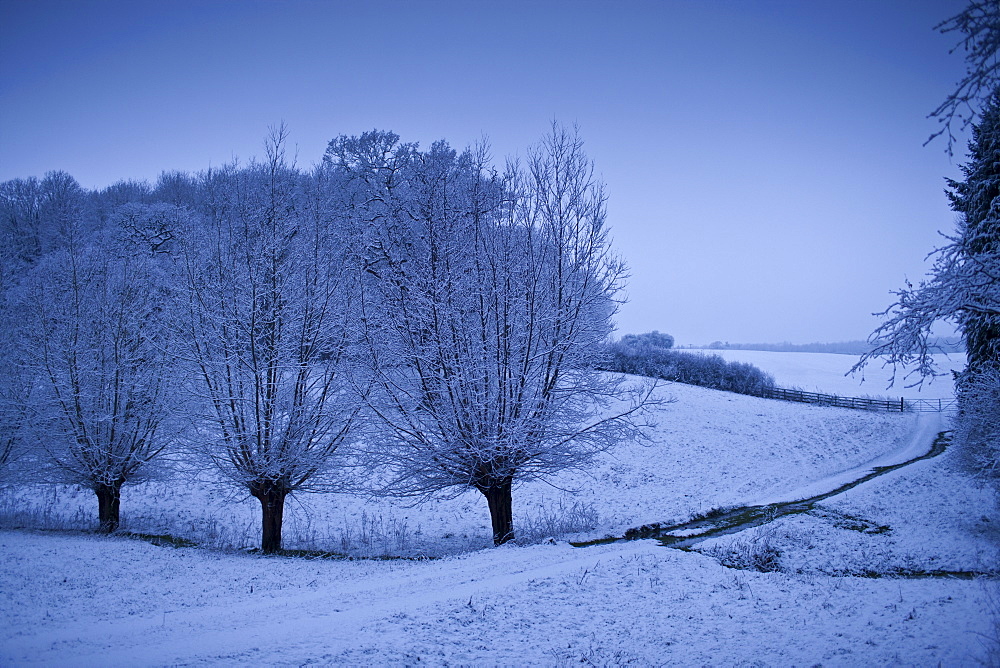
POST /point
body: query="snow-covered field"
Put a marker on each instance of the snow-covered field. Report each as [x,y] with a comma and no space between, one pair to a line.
[80,599]
[828,373]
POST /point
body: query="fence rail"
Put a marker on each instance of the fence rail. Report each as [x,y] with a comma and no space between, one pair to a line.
[862,403]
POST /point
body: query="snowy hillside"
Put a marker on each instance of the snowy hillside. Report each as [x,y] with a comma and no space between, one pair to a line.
[79,599]
[709,449]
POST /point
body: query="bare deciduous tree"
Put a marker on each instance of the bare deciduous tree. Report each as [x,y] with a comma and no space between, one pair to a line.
[265,318]
[15,387]
[95,346]
[484,306]
[963,288]
[20,227]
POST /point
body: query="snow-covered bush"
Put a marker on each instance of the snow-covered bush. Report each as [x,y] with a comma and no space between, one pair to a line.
[710,371]
[977,427]
[652,339]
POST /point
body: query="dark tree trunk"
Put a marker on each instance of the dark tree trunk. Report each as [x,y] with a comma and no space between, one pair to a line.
[499,499]
[109,501]
[272,505]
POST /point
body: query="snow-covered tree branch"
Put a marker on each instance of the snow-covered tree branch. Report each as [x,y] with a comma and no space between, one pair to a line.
[979,23]
[961,286]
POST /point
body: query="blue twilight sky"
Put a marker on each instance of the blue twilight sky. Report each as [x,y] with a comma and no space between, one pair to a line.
[764,158]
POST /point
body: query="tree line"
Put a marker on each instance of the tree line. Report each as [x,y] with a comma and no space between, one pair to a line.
[407,321]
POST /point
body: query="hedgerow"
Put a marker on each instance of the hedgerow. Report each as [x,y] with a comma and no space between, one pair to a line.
[636,355]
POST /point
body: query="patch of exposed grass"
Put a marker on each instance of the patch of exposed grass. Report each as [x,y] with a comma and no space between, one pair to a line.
[843,520]
[160,539]
[556,519]
[332,556]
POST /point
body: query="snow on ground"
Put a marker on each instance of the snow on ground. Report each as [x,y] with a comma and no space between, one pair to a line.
[547,604]
[827,373]
[81,599]
[709,449]
[930,516]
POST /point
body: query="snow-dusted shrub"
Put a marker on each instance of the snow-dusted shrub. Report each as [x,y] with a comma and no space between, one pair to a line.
[977,427]
[652,339]
[754,550]
[374,536]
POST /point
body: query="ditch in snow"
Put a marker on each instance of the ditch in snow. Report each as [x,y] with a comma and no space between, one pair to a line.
[724,521]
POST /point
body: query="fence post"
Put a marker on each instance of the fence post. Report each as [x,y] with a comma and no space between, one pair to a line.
[902,405]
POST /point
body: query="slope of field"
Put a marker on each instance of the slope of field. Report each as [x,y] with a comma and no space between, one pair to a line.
[708,449]
[80,599]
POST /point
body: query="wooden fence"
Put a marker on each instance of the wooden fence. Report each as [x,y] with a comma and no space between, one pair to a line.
[862,403]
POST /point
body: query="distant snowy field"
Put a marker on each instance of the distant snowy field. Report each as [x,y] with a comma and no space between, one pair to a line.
[79,599]
[828,373]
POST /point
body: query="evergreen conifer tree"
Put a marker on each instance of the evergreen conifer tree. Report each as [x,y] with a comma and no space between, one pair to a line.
[977,198]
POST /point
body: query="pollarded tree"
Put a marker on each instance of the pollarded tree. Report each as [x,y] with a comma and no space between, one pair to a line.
[96,349]
[265,309]
[14,389]
[484,306]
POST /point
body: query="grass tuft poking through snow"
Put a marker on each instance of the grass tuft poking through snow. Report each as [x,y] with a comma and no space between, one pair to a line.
[754,550]
[553,520]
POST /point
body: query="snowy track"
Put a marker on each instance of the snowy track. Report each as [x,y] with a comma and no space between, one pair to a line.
[307,622]
[928,426]
[634,602]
